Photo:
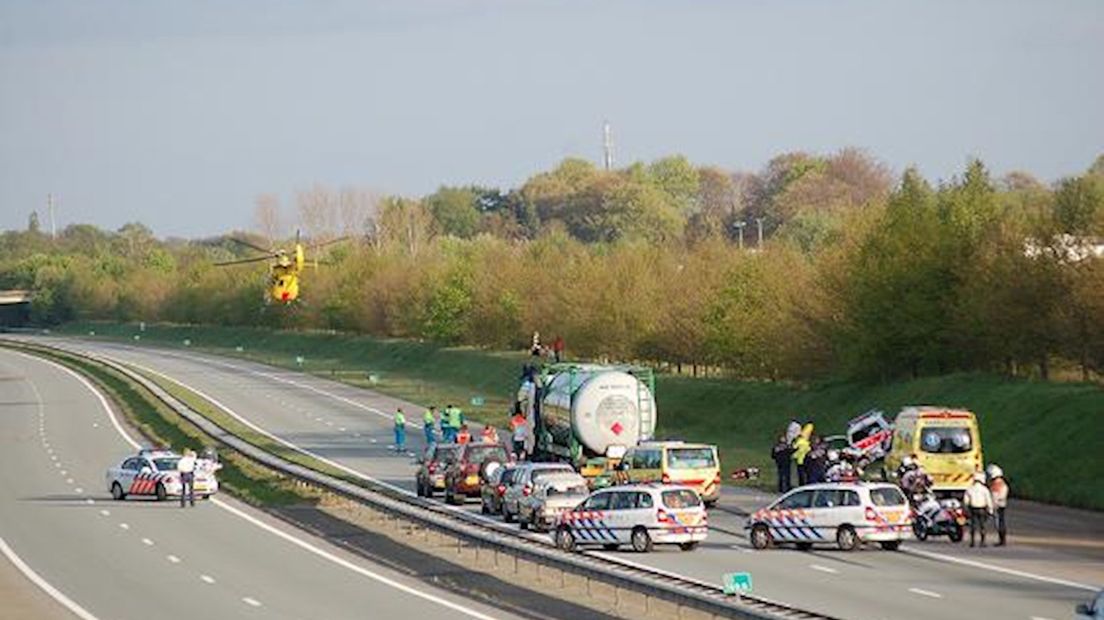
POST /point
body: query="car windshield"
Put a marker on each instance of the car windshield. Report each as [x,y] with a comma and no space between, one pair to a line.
[479,454]
[887,496]
[690,458]
[579,491]
[681,498]
[166,464]
[545,473]
[446,455]
[945,439]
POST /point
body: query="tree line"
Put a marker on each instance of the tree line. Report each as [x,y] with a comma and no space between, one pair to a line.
[814,266]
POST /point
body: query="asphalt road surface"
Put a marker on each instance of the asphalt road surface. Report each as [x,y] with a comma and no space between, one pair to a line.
[93,557]
[352,428]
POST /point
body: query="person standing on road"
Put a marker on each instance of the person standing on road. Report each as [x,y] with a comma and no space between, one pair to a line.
[979,502]
[792,431]
[489,434]
[520,433]
[816,462]
[186,468]
[429,421]
[455,421]
[998,486]
[782,453]
[801,447]
[463,436]
[400,430]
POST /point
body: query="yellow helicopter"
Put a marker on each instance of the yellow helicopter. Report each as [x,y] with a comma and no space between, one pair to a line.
[286,266]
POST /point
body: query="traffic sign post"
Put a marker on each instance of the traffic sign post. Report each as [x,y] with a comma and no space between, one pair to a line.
[477,401]
[736,584]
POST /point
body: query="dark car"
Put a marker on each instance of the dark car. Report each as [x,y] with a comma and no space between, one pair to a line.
[495,487]
[432,466]
[465,476]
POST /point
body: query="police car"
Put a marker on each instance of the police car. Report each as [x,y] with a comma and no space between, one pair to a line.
[640,515]
[845,514]
[153,473]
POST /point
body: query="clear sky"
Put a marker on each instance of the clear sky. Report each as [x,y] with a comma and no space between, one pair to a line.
[177,114]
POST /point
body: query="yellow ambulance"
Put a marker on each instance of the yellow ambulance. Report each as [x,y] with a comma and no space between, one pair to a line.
[695,465]
[945,442]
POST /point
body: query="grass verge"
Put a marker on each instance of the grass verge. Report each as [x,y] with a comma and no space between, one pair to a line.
[1045,435]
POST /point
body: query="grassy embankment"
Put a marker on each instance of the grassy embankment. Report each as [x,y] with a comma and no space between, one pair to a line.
[1047,436]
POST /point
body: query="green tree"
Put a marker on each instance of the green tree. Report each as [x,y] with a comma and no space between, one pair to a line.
[456,210]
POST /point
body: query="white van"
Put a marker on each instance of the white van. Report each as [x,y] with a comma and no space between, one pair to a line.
[845,514]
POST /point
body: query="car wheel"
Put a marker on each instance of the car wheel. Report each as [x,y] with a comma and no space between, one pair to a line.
[161,493]
[419,489]
[760,536]
[804,546]
[846,538]
[891,545]
[565,540]
[117,492]
[451,498]
[641,542]
[956,534]
[506,516]
[688,546]
[483,509]
[523,522]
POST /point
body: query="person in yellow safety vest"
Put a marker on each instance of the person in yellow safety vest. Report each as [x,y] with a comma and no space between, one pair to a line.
[400,430]
[455,418]
[429,420]
[463,436]
[801,447]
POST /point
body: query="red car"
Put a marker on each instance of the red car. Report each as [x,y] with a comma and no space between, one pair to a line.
[465,476]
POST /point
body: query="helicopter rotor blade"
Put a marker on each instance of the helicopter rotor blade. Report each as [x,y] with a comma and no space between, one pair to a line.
[251,245]
[242,261]
[324,243]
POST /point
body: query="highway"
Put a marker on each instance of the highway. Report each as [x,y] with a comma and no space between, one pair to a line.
[352,428]
[92,557]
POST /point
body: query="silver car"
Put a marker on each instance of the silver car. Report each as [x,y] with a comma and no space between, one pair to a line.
[553,494]
[523,484]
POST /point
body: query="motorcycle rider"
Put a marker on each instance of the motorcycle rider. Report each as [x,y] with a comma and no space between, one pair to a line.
[839,468]
[979,501]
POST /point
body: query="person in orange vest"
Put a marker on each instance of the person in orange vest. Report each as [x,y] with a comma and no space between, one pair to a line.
[463,436]
[489,434]
[520,431]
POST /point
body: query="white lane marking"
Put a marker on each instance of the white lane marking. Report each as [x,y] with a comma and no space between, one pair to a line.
[1040,618]
[106,513]
[823,569]
[67,480]
[53,457]
[58,465]
[927,593]
[288,537]
[95,425]
[1000,569]
[36,579]
[173,559]
[342,429]
[78,490]
[349,565]
[89,501]
[147,542]
[64,473]
[124,526]
[251,602]
[207,578]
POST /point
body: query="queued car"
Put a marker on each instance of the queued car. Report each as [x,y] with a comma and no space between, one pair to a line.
[498,478]
[523,483]
[1093,610]
[553,494]
[153,473]
[465,476]
[640,515]
[845,514]
[430,477]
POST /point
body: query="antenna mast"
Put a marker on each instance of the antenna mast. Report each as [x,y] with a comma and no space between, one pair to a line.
[607,145]
[50,209]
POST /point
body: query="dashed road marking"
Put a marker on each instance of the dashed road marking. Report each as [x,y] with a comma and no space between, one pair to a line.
[823,569]
[63,473]
[68,480]
[89,501]
[173,559]
[252,602]
[927,593]
[124,526]
[207,578]
[106,513]
[147,542]
[78,490]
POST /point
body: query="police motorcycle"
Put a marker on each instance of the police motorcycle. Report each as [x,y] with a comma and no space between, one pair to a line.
[931,516]
[843,466]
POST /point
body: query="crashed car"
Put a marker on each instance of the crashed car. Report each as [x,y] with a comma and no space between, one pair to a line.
[869,437]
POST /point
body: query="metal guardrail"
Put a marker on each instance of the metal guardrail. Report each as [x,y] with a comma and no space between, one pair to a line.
[675,589]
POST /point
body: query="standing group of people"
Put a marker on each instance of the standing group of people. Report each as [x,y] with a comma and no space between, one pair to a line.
[987,497]
[799,446]
[451,422]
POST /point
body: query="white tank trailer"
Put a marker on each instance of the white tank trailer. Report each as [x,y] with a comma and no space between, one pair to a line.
[589,410]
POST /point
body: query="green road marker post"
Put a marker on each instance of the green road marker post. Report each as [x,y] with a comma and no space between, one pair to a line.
[736,584]
[477,401]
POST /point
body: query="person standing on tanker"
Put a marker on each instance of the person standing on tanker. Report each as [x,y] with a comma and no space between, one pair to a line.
[429,420]
[186,468]
[558,349]
[400,430]
[998,487]
[782,453]
[979,503]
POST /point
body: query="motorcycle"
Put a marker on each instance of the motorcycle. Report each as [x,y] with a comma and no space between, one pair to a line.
[938,518]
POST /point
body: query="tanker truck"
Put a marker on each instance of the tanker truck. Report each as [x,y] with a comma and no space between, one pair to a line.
[587,414]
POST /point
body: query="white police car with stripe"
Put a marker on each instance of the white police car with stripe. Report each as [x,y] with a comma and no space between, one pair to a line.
[845,514]
[153,473]
[640,515]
